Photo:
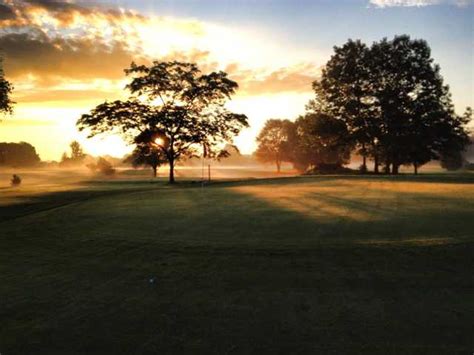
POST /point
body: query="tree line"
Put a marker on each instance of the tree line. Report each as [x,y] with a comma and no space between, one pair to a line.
[387,103]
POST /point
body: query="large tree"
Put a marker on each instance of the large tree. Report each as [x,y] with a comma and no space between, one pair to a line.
[172,106]
[413,105]
[275,142]
[343,92]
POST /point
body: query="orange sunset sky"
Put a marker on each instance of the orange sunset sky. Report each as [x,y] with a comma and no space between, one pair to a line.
[65,57]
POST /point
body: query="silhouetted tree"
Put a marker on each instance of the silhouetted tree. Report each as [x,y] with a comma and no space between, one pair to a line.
[173,105]
[6,89]
[343,91]
[18,155]
[393,101]
[77,155]
[321,143]
[452,160]
[147,155]
[275,142]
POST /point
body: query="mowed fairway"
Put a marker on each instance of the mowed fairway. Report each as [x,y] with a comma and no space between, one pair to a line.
[295,265]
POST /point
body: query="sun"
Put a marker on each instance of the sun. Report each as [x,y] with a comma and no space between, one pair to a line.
[159,142]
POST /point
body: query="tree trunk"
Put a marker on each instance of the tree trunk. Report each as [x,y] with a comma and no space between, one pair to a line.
[154,171]
[364,159]
[376,164]
[415,166]
[387,167]
[171,178]
[395,168]
[278,165]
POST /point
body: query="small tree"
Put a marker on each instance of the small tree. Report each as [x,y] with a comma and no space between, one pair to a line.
[274,142]
[77,155]
[147,155]
[173,105]
[15,180]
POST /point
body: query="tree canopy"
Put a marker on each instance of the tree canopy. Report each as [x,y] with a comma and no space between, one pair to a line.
[274,142]
[77,155]
[172,106]
[18,155]
[393,101]
[6,89]
[320,143]
[147,155]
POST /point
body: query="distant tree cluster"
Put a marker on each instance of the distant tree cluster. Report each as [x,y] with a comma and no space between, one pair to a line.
[18,155]
[387,102]
[314,141]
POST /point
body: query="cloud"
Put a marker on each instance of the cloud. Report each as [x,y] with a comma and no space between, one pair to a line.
[418,3]
[297,78]
[37,55]
[48,44]
[6,13]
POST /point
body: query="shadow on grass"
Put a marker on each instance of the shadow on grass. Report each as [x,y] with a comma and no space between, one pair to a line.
[234,273]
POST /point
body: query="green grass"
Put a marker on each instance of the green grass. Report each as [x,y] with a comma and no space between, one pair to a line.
[296,265]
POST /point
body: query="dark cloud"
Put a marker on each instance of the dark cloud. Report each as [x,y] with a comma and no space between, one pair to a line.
[49,58]
[20,12]
[6,13]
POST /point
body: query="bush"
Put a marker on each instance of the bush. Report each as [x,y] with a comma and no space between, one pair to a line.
[363,169]
[102,167]
[16,180]
[329,169]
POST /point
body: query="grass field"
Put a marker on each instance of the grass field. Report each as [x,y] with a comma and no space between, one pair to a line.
[294,265]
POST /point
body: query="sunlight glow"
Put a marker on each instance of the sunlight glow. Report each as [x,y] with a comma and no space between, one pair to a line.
[159,142]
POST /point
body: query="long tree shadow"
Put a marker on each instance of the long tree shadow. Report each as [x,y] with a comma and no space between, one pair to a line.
[204,269]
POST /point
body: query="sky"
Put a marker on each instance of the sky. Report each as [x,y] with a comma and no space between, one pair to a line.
[66,57]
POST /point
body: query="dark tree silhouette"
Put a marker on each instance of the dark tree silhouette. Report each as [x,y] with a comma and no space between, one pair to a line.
[321,143]
[77,155]
[343,91]
[147,155]
[275,142]
[6,89]
[173,106]
[393,101]
[18,155]
[452,161]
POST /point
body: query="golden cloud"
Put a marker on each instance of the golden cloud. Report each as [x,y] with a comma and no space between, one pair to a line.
[47,43]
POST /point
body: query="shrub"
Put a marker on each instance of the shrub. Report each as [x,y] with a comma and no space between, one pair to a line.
[16,180]
[104,167]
